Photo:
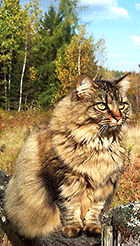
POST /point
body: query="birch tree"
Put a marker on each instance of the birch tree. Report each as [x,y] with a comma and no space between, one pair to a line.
[18,31]
[32,14]
[10,39]
[101,56]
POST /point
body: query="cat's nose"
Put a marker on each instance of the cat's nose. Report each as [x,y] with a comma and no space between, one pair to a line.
[117,118]
[116,115]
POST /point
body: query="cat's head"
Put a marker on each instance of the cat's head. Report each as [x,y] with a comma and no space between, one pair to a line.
[105,102]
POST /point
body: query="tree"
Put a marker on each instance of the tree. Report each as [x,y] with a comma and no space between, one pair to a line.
[10,39]
[41,57]
[79,57]
[17,37]
[67,12]
[134,93]
[56,32]
[31,24]
[101,54]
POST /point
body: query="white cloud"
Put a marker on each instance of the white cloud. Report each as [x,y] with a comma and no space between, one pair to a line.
[99,2]
[118,11]
[136,40]
[137,6]
[105,9]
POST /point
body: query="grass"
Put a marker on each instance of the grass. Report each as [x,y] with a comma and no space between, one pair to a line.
[12,139]
[14,128]
[129,182]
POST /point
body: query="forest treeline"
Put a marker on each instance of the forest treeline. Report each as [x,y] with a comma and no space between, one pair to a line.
[42,56]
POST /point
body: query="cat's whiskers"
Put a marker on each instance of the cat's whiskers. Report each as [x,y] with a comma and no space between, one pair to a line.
[124,126]
[105,129]
[100,132]
[85,138]
[97,134]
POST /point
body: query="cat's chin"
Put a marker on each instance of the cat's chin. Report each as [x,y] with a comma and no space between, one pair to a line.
[114,127]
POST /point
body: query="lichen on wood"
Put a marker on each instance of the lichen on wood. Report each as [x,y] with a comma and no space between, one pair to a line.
[122,224]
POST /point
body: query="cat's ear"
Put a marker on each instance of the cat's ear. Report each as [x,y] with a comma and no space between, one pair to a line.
[84,85]
[124,82]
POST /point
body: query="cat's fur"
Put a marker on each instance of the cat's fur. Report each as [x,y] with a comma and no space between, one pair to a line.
[66,173]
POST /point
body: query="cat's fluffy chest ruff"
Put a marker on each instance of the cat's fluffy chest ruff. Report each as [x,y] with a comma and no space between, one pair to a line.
[98,158]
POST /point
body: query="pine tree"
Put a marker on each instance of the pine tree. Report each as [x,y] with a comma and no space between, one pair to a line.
[56,33]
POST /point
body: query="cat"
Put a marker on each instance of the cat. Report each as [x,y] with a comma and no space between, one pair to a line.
[67,171]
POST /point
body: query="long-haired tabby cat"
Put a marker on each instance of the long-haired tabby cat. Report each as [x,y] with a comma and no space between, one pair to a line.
[66,173]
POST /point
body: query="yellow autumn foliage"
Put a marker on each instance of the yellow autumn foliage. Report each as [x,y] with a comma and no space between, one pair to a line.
[79,58]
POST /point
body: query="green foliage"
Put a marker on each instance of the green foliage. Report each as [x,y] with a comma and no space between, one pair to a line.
[11,23]
[56,32]
[18,30]
[35,52]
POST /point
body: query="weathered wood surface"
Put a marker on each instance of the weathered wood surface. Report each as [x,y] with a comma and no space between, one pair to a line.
[120,227]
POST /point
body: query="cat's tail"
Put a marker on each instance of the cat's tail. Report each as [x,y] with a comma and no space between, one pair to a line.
[32,215]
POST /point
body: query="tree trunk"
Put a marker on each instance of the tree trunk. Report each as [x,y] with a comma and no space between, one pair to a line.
[5,82]
[9,81]
[79,59]
[137,97]
[5,90]
[22,76]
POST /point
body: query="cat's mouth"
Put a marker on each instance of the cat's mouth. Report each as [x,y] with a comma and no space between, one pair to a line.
[114,127]
[107,129]
[104,129]
[114,124]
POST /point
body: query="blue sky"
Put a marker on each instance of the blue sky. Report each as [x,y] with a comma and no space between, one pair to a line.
[118,22]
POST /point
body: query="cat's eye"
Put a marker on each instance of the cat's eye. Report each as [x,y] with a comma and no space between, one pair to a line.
[121,106]
[101,106]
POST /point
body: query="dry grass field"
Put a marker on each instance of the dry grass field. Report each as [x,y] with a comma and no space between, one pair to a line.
[129,183]
[15,127]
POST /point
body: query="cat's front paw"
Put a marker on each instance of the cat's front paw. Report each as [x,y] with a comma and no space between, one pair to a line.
[92,230]
[71,231]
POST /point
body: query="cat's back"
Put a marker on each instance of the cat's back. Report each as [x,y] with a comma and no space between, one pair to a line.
[25,179]
[27,202]
[29,156]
